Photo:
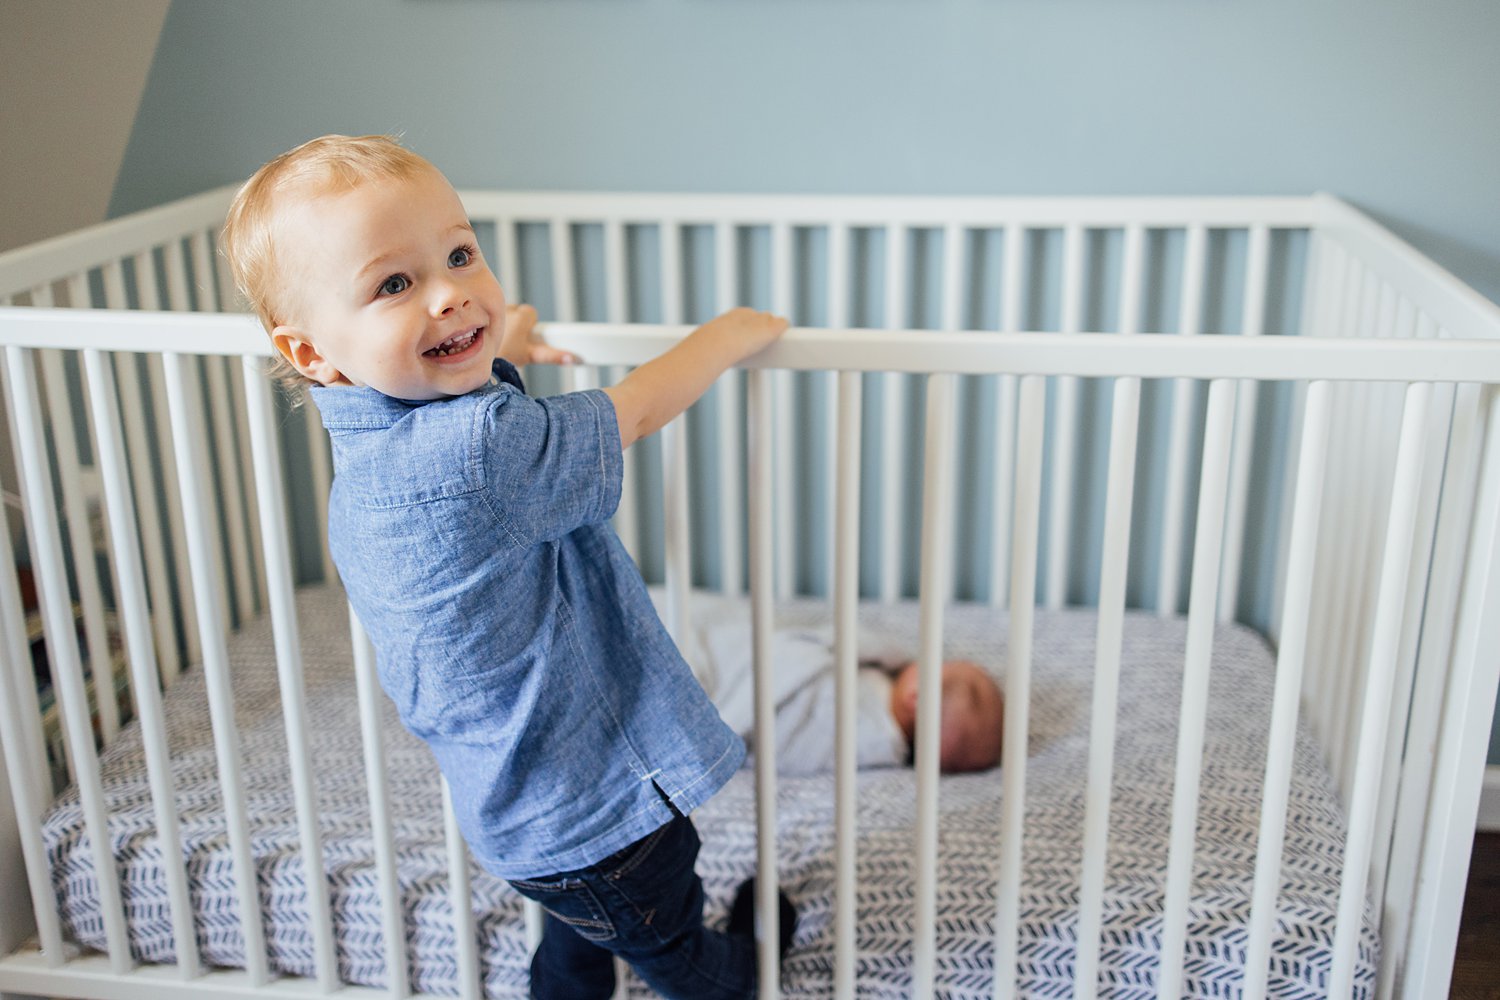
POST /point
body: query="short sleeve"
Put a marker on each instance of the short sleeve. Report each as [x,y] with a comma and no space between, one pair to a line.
[552,465]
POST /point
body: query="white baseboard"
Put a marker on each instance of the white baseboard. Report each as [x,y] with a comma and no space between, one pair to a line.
[1489,800]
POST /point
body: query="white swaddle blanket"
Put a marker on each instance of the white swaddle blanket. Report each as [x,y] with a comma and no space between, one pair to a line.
[717,645]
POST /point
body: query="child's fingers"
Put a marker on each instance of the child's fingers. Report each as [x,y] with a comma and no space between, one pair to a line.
[520,317]
[546,354]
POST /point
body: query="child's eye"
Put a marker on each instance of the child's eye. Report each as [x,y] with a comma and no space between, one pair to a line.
[394,285]
[462,256]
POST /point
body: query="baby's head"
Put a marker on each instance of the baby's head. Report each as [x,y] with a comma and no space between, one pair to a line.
[973,715]
[360,261]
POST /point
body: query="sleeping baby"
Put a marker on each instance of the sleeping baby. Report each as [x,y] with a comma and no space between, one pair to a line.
[718,648]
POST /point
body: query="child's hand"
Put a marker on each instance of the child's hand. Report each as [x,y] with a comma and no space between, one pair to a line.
[521,345]
[749,329]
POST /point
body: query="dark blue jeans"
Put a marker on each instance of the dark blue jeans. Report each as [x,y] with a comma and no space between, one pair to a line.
[644,904]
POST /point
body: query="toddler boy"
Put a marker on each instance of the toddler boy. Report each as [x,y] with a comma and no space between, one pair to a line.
[469,523]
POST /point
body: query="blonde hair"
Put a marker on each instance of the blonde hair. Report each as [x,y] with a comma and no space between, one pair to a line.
[326,164]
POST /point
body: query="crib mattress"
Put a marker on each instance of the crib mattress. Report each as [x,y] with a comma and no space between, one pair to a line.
[1150,686]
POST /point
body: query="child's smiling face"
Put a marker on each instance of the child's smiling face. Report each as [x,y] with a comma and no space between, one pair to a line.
[387,289]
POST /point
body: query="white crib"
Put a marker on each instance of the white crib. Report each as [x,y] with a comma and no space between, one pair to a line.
[1342,477]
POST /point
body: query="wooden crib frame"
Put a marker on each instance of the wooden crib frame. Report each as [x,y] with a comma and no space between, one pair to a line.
[1386,598]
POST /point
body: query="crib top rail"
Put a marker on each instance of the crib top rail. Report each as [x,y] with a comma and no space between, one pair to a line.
[875,211]
[53,259]
[1455,308]
[975,352]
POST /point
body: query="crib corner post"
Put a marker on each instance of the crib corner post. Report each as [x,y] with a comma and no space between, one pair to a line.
[16,923]
[1427,963]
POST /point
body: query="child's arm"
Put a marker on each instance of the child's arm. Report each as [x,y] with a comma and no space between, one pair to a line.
[648,398]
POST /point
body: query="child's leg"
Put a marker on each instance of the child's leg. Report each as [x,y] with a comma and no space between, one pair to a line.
[566,964]
[656,902]
[644,904]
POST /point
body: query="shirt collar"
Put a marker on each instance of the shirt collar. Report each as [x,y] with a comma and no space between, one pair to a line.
[357,406]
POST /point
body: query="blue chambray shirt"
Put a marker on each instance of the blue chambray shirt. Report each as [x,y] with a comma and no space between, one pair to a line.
[511,628]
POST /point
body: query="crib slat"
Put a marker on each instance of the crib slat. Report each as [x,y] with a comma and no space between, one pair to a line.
[564,297]
[1189,323]
[29,733]
[676,515]
[85,567]
[1028,504]
[1337,532]
[1065,437]
[1356,533]
[731,461]
[226,456]
[671,272]
[24,752]
[1114,560]
[142,657]
[784,393]
[837,316]
[1005,429]
[62,643]
[1291,657]
[1439,427]
[461,899]
[229,296]
[1252,324]
[1004,489]
[1202,603]
[674,455]
[320,458]
[1449,553]
[1323,278]
[1457,775]
[845,600]
[508,248]
[178,301]
[143,474]
[86,571]
[1386,636]
[893,405]
[936,572]
[762,554]
[618,311]
[203,271]
[730,452]
[953,277]
[392,919]
[266,450]
[1354,599]
[255,567]
[167,653]
[186,426]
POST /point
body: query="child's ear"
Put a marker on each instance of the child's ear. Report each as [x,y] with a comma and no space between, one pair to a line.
[303,355]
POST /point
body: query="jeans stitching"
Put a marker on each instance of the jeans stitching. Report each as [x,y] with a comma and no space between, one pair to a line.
[645,847]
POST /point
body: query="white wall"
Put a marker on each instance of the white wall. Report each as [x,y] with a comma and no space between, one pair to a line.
[71,77]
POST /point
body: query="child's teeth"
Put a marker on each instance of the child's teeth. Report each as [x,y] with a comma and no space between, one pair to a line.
[454,344]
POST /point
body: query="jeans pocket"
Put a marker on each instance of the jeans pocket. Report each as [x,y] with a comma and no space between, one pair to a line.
[573,902]
[622,863]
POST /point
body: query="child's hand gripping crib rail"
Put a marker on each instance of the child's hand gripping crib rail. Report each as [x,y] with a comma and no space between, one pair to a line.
[1442,503]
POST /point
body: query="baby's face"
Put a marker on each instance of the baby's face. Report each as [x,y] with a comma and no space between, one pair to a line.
[387,289]
[973,715]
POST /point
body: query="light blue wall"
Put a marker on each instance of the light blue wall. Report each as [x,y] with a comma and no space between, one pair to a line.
[1389,104]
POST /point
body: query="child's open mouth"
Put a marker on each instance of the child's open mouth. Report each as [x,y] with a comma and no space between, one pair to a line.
[457,344]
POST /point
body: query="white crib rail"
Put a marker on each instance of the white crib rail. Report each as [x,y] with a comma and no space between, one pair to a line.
[1381,645]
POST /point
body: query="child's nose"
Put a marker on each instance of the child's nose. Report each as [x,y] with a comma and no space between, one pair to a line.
[447,296]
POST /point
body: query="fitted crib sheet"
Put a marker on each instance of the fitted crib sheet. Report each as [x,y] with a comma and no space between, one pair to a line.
[1150,686]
